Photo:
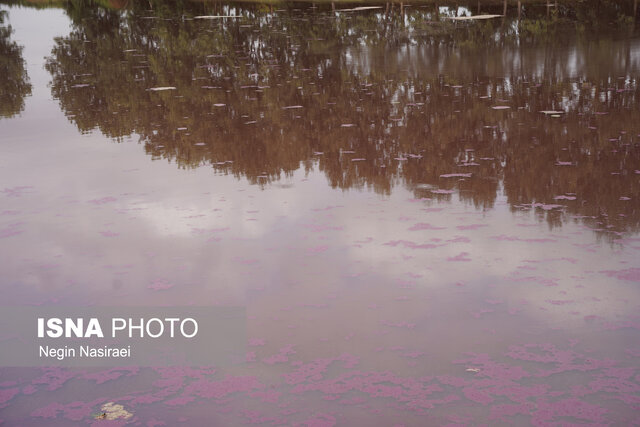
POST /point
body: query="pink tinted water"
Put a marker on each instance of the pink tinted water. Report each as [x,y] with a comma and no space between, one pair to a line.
[364,307]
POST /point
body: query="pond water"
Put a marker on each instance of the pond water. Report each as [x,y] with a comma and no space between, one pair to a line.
[428,221]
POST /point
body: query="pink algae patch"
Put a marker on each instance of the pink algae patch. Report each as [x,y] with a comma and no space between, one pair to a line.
[160,285]
[54,378]
[29,389]
[317,228]
[561,360]
[255,342]
[319,420]
[16,191]
[110,423]
[267,396]
[471,226]
[477,395]
[313,370]
[318,249]
[178,401]
[424,226]
[560,302]
[209,231]
[619,381]
[459,239]
[11,230]
[514,392]
[410,245]
[102,201]
[7,394]
[462,256]
[75,411]
[110,374]
[218,389]
[281,357]
[246,261]
[328,208]
[629,274]
[407,325]
[503,237]
[548,412]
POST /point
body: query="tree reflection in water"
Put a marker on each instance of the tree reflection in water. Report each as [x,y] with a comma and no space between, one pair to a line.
[14,84]
[373,98]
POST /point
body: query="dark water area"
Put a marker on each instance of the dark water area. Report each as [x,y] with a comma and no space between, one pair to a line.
[429,220]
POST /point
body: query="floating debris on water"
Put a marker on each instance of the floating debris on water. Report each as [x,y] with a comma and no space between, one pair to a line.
[473,18]
[359,8]
[216,16]
[456,175]
[113,411]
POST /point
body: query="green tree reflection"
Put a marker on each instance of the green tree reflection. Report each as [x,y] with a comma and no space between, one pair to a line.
[372,99]
[14,83]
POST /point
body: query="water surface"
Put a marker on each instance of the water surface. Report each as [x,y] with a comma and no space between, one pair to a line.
[429,222]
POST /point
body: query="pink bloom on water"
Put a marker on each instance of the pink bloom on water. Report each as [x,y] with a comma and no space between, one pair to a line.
[160,285]
[462,256]
[102,201]
[424,226]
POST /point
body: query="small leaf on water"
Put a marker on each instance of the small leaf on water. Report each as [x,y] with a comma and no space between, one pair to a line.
[473,18]
[216,16]
[356,9]
[456,175]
